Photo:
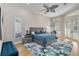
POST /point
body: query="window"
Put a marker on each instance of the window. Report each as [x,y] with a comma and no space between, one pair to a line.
[72,27]
[55,25]
[17,28]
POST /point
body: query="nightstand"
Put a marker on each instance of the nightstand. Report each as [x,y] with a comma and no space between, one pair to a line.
[27,38]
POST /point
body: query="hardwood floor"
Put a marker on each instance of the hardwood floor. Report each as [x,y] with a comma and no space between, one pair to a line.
[75,49]
[24,52]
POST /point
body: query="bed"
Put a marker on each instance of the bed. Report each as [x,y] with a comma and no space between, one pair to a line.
[41,37]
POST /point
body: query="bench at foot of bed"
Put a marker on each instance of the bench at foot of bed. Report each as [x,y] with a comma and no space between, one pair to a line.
[8,49]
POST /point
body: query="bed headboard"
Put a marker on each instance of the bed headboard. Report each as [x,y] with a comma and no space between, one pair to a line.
[36,29]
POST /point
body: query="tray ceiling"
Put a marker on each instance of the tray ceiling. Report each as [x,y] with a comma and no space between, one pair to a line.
[36,7]
[62,9]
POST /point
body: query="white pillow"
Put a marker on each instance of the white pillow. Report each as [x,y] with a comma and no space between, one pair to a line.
[0,46]
[33,32]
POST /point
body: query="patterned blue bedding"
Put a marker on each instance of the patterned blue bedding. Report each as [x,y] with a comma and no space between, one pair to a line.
[44,37]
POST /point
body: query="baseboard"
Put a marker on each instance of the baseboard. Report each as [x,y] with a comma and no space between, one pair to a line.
[72,39]
[18,42]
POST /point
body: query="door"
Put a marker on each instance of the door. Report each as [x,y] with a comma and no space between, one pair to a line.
[75,29]
[72,28]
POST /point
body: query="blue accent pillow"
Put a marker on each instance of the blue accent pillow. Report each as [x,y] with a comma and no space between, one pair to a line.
[37,32]
[40,32]
[43,32]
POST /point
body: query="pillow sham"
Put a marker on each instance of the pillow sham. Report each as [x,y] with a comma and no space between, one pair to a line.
[39,32]
[33,32]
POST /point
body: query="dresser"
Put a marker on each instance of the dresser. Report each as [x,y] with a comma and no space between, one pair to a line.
[27,38]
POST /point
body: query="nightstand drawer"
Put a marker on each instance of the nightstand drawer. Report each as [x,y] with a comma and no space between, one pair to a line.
[27,39]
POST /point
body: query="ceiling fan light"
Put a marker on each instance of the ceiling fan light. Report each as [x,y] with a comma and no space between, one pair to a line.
[45,12]
[45,6]
[53,10]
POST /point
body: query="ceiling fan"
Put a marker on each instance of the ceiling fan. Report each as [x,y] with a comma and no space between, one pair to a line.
[51,8]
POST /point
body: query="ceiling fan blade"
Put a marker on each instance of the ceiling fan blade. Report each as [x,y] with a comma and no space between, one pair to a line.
[64,3]
[45,6]
[54,6]
[52,10]
[47,10]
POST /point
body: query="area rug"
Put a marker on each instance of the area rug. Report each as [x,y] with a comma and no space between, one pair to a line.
[58,48]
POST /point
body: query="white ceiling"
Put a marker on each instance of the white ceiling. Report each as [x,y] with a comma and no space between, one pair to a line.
[76,12]
[61,10]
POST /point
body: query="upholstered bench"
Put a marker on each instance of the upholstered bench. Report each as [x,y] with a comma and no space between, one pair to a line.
[8,49]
